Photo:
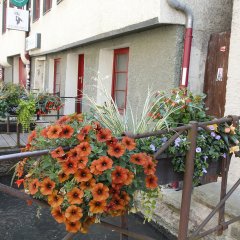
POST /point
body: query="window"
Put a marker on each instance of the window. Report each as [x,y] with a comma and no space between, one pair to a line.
[36,10]
[47,5]
[4,16]
[120,77]
[57,76]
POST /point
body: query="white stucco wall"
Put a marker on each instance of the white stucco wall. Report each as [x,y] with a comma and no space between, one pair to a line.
[233,83]
[71,21]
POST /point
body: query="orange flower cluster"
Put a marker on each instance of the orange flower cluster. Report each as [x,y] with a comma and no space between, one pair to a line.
[96,175]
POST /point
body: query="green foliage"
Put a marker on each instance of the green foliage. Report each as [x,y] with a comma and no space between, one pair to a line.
[25,112]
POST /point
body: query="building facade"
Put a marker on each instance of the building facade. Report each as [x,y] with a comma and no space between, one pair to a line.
[123,46]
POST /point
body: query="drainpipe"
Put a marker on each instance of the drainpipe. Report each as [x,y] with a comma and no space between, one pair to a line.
[187,39]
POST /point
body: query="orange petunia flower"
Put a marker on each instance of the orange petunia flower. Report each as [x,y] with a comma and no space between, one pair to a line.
[149,168]
[44,132]
[72,227]
[63,158]
[55,200]
[119,175]
[82,162]
[58,152]
[75,196]
[104,163]
[47,186]
[33,186]
[63,119]
[83,175]
[104,135]
[58,215]
[114,191]
[78,116]
[116,150]
[73,213]
[88,185]
[69,167]
[85,130]
[93,169]
[112,141]
[138,159]
[129,143]
[97,206]
[117,203]
[32,136]
[73,154]
[151,181]
[81,137]
[126,198]
[67,131]
[84,149]
[129,178]
[54,131]
[62,177]
[100,192]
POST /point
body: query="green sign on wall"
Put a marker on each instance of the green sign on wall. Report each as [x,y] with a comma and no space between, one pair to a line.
[19,3]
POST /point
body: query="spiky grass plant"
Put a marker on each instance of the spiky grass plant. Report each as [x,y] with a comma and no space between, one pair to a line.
[128,121]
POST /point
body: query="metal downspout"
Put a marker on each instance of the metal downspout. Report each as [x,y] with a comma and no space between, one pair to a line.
[187,40]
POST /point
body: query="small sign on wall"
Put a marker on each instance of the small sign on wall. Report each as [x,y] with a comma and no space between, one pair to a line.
[33,41]
[17,19]
[219,75]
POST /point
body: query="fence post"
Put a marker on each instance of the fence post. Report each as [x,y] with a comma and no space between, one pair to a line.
[187,183]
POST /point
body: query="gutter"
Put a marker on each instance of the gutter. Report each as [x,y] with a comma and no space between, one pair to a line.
[187,39]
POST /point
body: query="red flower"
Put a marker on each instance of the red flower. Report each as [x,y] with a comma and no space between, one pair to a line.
[33,186]
[104,163]
[100,192]
[97,206]
[117,203]
[69,167]
[72,227]
[116,150]
[104,135]
[58,152]
[73,213]
[19,182]
[112,141]
[129,178]
[63,119]
[54,131]
[138,158]
[44,132]
[85,130]
[75,196]
[129,143]
[47,186]
[83,175]
[84,149]
[67,131]
[82,162]
[74,154]
[55,200]
[32,136]
[88,185]
[62,177]
[119,175]
[149,168]
[58,214]
[151,182]
[93,168]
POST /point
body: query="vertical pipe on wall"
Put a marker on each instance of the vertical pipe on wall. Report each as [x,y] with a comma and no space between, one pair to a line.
[188,38]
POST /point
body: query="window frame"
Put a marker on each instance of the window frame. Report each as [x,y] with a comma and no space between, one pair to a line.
[47,6]
[36,10]
[56,61]
[115,72]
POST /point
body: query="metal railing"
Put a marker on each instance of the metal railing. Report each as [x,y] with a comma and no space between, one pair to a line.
[192,129]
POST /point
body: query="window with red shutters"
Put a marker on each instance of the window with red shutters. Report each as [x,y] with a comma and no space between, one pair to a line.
[4,16]
[36,10]
[47,5]
[120,77]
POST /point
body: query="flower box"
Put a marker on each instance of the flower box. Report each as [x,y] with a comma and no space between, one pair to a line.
[166,173]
